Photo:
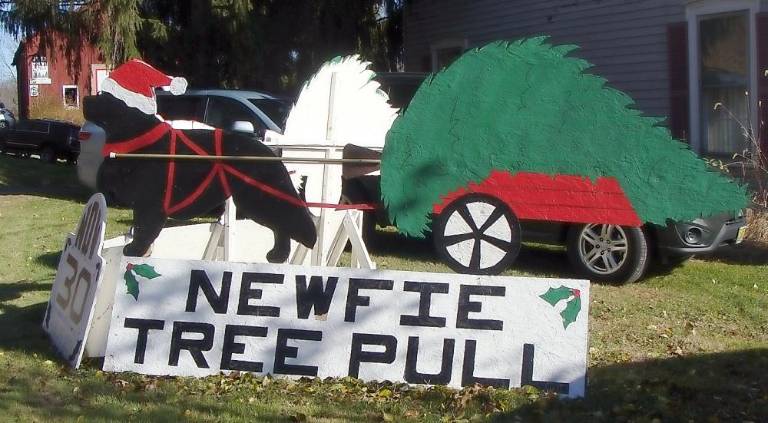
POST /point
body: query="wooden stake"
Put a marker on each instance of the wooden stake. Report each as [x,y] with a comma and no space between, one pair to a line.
[148,156]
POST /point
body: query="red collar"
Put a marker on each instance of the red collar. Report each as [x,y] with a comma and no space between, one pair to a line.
[133,144]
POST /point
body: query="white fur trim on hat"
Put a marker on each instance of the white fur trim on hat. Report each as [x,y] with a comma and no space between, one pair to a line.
[178,85]
[147,105]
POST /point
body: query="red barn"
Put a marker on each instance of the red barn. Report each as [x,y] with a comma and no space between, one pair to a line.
[56,73]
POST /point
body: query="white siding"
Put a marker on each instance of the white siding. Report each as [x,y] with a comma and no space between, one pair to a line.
[626,40]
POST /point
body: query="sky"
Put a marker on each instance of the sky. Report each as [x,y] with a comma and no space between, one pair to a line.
[7,48]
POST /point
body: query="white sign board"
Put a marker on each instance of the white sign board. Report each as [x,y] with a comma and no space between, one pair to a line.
[70,308]
[197,318]
[40,71]
[34,90]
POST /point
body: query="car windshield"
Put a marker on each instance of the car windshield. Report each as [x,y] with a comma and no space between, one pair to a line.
[276,110]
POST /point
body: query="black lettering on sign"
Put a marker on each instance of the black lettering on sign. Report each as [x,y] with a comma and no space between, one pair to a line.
[198,281]
[358,356]
[526,375]
[248,293]
[466,306]
[232,347]
[314,295]
[144,326]
[354,300]
[446,367]
[68,281]
[425,290]
[76,311]
[80,237]
[467,371]
[194,346]
[284,351]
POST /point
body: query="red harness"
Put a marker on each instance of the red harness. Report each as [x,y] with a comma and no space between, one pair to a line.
[219,171]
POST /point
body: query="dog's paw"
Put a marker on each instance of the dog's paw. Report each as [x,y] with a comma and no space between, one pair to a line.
[278,255]
[135,250]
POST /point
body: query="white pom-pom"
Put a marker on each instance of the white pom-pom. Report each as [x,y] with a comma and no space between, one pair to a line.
[178,85]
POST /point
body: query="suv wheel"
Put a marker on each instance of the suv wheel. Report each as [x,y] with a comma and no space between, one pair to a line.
[477,234]
[47,154]
[608,253]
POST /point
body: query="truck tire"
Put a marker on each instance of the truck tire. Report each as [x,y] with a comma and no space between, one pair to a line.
[47,154]
[608,253]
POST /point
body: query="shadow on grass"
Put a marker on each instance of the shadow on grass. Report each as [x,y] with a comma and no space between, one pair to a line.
[35,389]
[54,400]
[22,329]
[49,260]
[533,258]
[12,291]
[20,176]
[711,387]
[746,253]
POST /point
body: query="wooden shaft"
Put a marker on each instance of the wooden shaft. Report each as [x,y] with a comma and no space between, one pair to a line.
[191,157]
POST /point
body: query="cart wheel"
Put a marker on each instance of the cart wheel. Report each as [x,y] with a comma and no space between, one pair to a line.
[477,234]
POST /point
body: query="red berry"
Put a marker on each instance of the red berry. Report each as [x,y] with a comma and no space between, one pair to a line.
[129,266]
[576,293]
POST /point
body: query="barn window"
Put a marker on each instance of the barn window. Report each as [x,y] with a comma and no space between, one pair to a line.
[71,96]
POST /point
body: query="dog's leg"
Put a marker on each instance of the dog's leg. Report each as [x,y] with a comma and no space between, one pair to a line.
[262,212]
[147,224]
[281,250]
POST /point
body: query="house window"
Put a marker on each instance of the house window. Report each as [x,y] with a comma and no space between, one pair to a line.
[71,96]
[722,52]
[445,52]
[724,77]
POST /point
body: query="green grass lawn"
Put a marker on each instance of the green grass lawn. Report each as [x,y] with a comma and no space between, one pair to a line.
[688,345]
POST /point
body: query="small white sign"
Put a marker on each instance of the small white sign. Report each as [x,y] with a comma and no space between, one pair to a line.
[196,318]
[34,90]
[40,71]
[70,308]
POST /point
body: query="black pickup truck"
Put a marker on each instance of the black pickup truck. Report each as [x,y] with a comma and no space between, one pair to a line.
[50,139]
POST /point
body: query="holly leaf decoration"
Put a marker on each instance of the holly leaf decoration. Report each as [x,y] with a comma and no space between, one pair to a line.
[145,271]
[555,295]
[131,284]
[572,307]
[571,312]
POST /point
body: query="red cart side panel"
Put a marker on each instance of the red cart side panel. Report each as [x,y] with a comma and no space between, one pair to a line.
[560,198]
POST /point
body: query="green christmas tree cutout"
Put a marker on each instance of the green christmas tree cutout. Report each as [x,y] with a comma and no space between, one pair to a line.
[131,271]
[572,307]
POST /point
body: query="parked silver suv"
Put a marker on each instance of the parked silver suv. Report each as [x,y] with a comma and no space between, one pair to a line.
[224,108]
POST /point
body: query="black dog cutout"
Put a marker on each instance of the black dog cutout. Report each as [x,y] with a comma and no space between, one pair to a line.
[157,189]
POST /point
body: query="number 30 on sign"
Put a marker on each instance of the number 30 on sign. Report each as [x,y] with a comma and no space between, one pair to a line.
[69,310]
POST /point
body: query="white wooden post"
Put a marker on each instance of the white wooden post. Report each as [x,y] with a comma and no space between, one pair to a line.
[229,218]
[220,243]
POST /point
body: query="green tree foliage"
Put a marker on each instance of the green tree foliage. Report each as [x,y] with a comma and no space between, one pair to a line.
[267,44]
[527,106]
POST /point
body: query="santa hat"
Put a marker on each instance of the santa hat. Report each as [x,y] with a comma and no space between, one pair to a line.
[134,82]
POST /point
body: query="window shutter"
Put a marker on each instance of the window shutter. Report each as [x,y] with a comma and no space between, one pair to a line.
[677,50]
[762,81]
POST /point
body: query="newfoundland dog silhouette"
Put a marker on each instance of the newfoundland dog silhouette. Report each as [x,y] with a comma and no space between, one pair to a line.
[157,189]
